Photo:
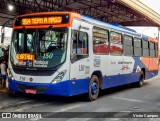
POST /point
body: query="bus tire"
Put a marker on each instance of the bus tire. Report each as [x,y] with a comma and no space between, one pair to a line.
[141,79]
[93,91]
[12,93]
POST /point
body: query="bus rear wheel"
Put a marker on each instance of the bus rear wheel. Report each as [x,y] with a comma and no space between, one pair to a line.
[141,80]
[93,88]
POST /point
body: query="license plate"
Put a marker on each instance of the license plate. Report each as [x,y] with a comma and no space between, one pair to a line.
[30,91]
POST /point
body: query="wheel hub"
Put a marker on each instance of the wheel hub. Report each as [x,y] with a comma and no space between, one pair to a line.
[94,88]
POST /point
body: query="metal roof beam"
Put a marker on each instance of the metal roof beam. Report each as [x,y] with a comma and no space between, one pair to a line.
[143,10]
[113,11]
[141,22]
[105,10]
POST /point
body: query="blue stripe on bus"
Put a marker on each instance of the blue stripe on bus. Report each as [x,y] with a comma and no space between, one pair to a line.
[139,63]
[66,88]
[150,74]
[112,81]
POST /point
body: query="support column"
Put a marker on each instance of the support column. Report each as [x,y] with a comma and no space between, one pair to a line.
[159,44]
[2,34]
[158,33]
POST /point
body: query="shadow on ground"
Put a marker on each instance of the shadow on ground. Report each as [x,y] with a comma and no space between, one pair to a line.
[78,98]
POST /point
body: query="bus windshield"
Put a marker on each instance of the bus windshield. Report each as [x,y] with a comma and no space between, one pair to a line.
[39,48]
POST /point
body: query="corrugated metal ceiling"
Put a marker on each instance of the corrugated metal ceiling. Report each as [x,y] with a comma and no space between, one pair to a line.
[111,11]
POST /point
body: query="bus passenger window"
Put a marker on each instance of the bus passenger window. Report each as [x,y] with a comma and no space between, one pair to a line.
[145,48]
[127,45]
[137,47]
[152,49]
[156,49]
[79,43]
[100,41]
[116,44]
[83,43]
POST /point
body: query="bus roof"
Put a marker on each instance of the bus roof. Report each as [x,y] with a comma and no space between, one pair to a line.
[111,26]
[120,28]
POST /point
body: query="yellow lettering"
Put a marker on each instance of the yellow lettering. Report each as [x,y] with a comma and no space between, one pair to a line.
[59,19]
[25,57]
[26,21]
[45,21]
[40,21]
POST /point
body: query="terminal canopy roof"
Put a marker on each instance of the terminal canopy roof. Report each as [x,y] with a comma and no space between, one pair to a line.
[123,12]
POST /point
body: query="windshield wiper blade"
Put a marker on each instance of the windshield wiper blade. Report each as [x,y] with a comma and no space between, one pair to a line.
[34,43]
[51,69]
[25,33]
[31,68]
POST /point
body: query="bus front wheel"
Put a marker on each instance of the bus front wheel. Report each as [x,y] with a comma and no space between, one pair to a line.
[93,88]
[12,93]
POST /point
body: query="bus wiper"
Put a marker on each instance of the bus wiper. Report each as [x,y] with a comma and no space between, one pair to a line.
[31,68]
[50,29]
[25,33]
[52,69]
[34,43]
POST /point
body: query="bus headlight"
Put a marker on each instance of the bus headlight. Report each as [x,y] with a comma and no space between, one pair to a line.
[59,77]
[10,75]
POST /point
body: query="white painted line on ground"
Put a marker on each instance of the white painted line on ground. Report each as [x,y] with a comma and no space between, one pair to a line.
[79,119]
[113,119]
[132,100]
[125,111]
[87,119]
[60,110]
[68,108]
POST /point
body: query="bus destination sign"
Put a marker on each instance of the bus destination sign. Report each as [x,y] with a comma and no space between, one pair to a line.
[41,20]
[25,56]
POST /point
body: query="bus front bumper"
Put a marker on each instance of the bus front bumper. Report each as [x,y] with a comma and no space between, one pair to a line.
[60,89]
[64,88]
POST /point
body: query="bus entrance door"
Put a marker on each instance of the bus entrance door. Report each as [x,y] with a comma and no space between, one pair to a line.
[80,61]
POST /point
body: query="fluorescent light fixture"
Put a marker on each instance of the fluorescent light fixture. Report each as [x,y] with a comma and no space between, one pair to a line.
[10,7]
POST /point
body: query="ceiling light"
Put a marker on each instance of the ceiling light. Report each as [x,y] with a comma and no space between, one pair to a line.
[10,7]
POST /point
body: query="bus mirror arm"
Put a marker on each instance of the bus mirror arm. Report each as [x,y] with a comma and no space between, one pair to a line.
[73,58]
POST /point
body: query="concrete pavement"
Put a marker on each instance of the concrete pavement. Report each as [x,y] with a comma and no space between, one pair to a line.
[126,99]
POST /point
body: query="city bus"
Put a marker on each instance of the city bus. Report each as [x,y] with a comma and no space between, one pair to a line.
[67,54]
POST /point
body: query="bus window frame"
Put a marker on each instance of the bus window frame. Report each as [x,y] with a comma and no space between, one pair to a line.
[127,45]
[156,48]
[116,43]
[137,47]
[152,49]
[145,48]
[74,56]
[105,42]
